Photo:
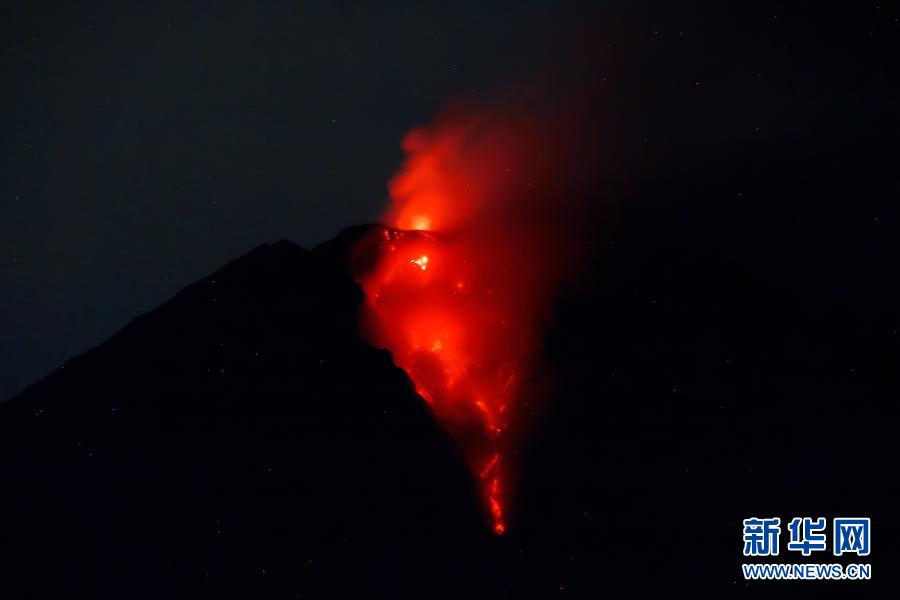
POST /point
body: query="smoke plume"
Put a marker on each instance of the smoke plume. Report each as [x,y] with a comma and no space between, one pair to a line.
[479,236]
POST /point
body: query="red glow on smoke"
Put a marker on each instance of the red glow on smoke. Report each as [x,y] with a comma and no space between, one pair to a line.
[464,276]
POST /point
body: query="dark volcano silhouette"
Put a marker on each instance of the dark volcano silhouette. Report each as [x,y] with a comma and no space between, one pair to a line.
[239,440]
[242,441]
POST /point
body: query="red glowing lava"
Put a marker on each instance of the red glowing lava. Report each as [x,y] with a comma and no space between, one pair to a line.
[461,287]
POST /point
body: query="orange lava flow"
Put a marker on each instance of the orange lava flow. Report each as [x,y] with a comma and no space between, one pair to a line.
[461,283]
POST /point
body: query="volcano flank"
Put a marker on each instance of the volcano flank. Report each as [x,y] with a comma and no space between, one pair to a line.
[240,439]
[243,440]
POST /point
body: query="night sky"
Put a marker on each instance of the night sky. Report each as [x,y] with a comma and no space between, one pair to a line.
[145,146]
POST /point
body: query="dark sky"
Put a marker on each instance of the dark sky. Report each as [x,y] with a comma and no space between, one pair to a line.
[146,144]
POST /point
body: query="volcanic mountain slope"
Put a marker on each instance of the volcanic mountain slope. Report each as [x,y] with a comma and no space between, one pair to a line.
[240,440]
[243,441]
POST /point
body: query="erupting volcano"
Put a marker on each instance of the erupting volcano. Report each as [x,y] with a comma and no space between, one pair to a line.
[463,278]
